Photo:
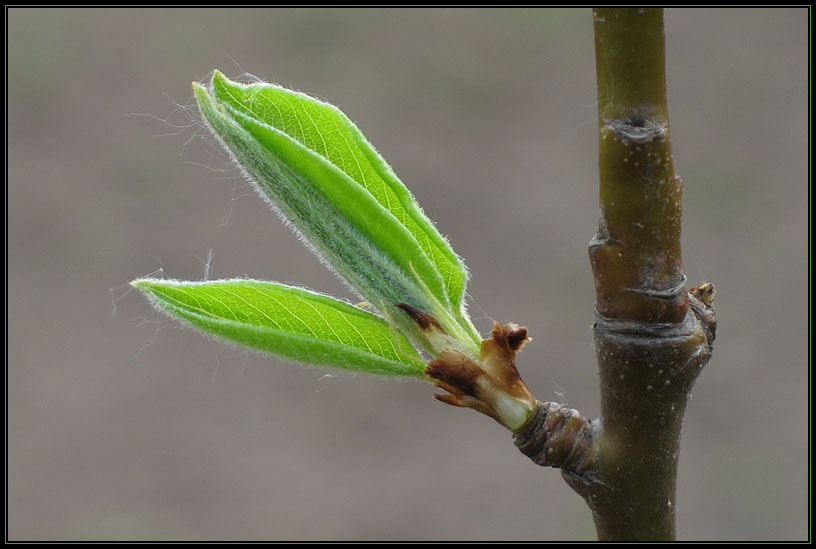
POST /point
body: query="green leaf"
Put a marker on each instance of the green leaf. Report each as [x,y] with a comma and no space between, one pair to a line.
[325,130]
[321,174]
[289,322]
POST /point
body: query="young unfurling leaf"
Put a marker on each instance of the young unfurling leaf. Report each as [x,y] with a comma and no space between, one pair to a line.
[288,321]
[319,172]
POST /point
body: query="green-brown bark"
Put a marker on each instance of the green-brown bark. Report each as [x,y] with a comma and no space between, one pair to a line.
[652,334]
[650,343]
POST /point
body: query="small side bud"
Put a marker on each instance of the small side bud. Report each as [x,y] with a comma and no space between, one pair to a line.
[705,292]
[701,301]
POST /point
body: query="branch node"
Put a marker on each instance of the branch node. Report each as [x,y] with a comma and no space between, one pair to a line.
[639,128]
[556,436]
[668,293]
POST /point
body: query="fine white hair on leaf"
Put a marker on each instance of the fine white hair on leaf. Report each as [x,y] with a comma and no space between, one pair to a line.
[248,76]
[119,292]
[561,394]
[208,263]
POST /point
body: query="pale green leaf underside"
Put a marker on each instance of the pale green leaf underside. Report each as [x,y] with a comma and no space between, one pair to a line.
[324,129]
[289,322]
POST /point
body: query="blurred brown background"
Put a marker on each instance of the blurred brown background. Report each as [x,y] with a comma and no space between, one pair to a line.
[123,426]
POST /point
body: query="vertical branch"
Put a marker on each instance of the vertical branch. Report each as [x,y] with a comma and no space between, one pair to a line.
[636,252]
[652,336]
[650,344]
